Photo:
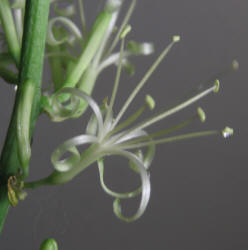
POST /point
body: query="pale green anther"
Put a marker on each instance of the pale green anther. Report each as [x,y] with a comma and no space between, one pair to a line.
[201,114]
[227,132]
[235,65]
[176,39]
[217,86]
[124,33]
[150,102]
[23,124]
[49,244]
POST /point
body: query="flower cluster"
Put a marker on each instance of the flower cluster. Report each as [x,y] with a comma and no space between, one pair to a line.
[107,135]
[73,81]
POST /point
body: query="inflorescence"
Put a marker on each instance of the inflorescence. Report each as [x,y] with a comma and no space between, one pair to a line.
[106,133]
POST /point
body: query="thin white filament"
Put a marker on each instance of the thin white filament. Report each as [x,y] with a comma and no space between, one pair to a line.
[143,81]
[181,106]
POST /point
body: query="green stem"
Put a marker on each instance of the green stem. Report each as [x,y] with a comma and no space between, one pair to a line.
[86,84]
[10,30]
[31,67]
[88,157]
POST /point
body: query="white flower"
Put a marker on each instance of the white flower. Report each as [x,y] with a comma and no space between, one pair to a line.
[107,136]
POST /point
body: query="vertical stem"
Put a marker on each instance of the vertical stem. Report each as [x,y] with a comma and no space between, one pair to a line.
[32,55]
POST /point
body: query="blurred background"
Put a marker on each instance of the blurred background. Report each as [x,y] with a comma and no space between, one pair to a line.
[199,187]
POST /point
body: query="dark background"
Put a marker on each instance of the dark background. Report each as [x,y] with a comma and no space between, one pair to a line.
[199,187]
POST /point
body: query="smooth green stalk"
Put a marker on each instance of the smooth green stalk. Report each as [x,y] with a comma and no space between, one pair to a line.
[90,49]
[23,125]
[87,84]
[56,67]
[10,30]
[31,66]
[87,158]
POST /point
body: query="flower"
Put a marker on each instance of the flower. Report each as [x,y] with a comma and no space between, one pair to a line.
[107,135]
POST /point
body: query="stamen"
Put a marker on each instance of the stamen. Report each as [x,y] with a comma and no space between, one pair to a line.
[143,81]
[171,111]
[117,80]
[123,25]
[171,139]
[82,16]
[129,121]
[164,131]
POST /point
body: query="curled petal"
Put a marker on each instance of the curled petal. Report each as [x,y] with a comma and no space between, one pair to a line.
[61,112]
[68,163]
[146,157]
[145,187]
[140,48]
[75,32]
[111,192]
[124,136]
[92,125]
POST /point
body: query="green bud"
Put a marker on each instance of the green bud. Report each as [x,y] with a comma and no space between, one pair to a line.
[49,244]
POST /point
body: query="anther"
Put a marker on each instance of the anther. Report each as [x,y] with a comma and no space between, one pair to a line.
[217,86]
[176,39]
[150,102]
[227,132]
[126,30]
[202,114]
